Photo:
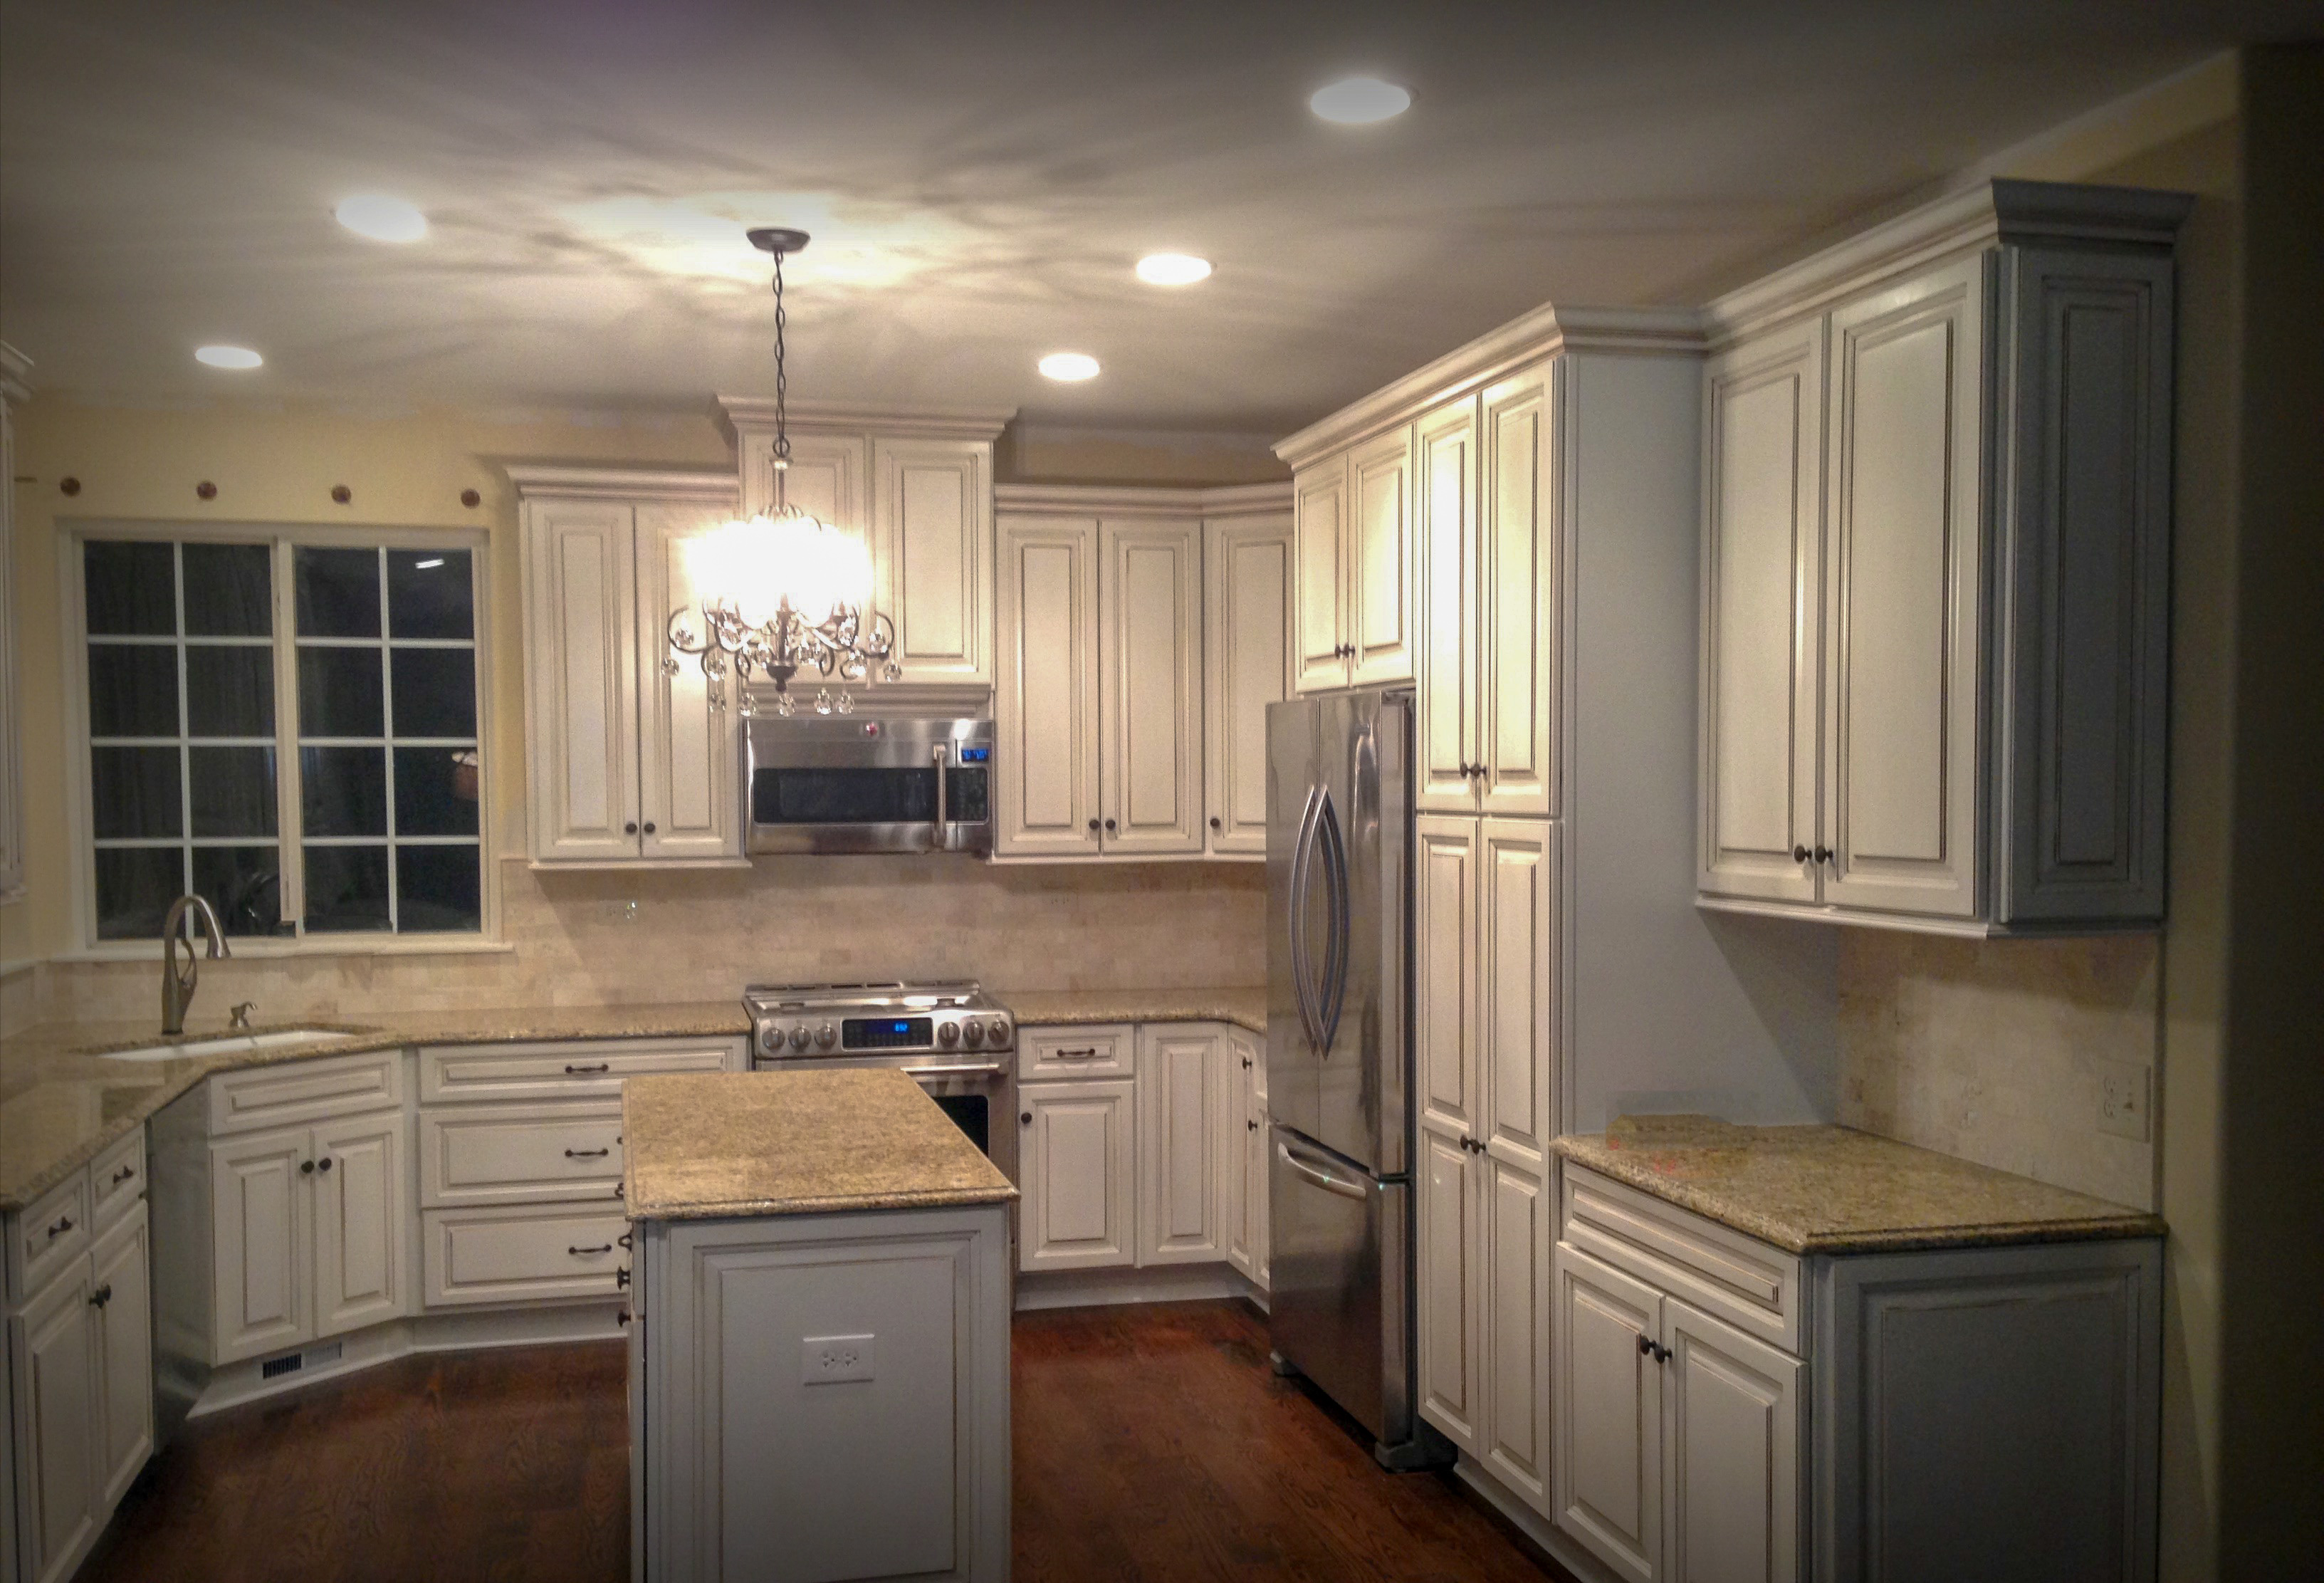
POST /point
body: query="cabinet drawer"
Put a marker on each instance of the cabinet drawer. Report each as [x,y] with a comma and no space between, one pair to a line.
[519,1153]
[47,1234]
[571,1070]
[1724,1272]
[305,1090]
[1097,1050]
[499,1255]
[117,1178]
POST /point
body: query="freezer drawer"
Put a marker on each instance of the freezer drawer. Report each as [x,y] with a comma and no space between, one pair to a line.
[1340,1305]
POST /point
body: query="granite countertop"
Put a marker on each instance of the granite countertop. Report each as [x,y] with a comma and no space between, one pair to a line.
[1831,1190]
[711,1145]
[1245,1007]
[61,1102]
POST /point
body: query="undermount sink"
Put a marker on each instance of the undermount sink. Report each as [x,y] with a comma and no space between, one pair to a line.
[229,1043]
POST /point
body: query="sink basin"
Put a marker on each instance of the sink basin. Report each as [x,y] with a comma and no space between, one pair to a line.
[229,1043]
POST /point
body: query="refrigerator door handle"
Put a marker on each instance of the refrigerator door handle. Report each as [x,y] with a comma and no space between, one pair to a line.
[1302,857]
[1334,990]
[1321,1176]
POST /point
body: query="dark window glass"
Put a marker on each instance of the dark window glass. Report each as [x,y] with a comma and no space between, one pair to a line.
[229,690]
[338,592]
[339,693]
[233,791]
[245,884]
[230,590]
[346,888]
[428,594]
[435,692]
[344,791]
[132,690]
[434,794]
[133,792]
[135,888]
[438,888]
[133,588]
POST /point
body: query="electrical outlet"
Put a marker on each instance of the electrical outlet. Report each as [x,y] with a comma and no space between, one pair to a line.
[2122,1099]
[826,1360]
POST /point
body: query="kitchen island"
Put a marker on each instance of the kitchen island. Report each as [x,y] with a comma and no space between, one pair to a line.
[819,1346]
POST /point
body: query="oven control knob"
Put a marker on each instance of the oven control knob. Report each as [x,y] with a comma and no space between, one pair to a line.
[825,1037]
[947,1033]
[974,1032]
[799,1037]
[771,1038]
[997,1031]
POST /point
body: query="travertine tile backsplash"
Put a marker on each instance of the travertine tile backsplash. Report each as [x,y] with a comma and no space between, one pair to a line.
[701,935]
[1993,1050]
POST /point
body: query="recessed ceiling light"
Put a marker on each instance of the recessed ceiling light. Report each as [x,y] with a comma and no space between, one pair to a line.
[1358,101]
[1069,367]
[1172,269]
[382,217]
[227,356]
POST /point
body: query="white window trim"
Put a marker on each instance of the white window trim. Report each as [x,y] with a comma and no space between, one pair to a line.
[72,628]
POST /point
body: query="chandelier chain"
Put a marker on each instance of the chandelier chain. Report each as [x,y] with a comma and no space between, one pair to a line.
[782,386]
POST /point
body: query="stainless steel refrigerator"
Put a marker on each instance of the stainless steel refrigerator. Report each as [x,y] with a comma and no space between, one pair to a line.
[1339,1058]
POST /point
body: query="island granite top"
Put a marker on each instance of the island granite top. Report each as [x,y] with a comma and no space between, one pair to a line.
[719,1145]
[1831,1190]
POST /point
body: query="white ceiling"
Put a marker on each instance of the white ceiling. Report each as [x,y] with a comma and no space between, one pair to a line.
[979,179]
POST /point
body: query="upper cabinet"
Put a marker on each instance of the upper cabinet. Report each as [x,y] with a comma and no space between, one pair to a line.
[918,487]
[1935,602]
[630,760]
[1358,600]
[13,366]
[1142,637]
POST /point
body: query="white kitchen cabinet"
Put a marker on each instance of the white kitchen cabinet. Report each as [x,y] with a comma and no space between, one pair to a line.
[1242,1165]
[629,763]
[1732,1413]
[1149,687]
[1320,547]
[1047,790]
[13,366]
[1181,1139]
[363,1214]
[1935,572]
[1358,565]
[123,1319]
[1607,1465]
[1445,764]
[54,1346]
[1077,1162]
[1247,626]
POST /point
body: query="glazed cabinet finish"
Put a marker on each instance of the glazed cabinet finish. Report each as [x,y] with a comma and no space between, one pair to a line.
[1150,694]
[1358,566]
[1247,618]
[1182,1139]
[932,558]
[689,756]
[1078,1160]
[1047,710]
[1242,1164]
[1320,533]
[1935,587]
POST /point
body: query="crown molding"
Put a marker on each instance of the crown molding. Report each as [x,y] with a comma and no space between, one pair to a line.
[624,484]
[1101,500]
[1527,338]
[748,415]
[15,368]
[2018,213]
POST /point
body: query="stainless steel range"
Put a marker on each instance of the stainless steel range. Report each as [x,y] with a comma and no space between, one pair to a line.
[955,1041]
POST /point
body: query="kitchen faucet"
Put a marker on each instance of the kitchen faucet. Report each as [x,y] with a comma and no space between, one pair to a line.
[178,981]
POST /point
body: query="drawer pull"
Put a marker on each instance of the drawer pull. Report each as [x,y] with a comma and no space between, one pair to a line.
[584,1253]
[589,1071]
[627,1239]
[586,1153]
[622,1276]
[1089,1054]
[63,1224]
[123,1174]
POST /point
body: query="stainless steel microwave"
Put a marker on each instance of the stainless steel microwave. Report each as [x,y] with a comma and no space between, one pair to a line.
[869,783]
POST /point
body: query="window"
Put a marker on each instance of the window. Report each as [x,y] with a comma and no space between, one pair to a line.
[287,728]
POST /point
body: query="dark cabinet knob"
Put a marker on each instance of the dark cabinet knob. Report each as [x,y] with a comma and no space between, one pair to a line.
[63,1224]
[123,1174]
[622,1276]
[1823,855]
[324,1163]
[1246,1063]
[306,1168]
[1027,1119]
[1801,854]
[101,1296]
[630,828]
[1250,1126]
[1092,825]
[649,827]
[1109,824]
[1217,823]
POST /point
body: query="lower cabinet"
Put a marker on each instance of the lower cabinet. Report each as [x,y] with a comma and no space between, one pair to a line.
[1242,1196]
[1181,1143]
[1077,1160]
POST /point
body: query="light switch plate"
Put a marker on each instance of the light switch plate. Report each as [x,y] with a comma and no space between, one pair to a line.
[827,1360]
[2122,1099]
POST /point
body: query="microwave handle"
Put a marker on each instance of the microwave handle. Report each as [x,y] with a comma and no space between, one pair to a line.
[939,831]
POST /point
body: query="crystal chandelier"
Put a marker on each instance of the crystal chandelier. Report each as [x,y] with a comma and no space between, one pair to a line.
[781,593]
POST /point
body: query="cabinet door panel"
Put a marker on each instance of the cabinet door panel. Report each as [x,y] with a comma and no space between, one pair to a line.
[1237,1107]
[1047,707]
[1445,970]
[1762,570]
[1733,1408]
[580,664]
[932,521]
[53,1352]
[690,768]
[1179,1127]
[1514,1246]
[1150,676]
[1452,610]
[124,1352]
[1320,507]
[1079,1184]
[1382,608]
[1520,604]
[260,1286]
[360,1206]
[1247,626]
[1517,1011]
[1606,1466]
[1901,616]
[1447,1264]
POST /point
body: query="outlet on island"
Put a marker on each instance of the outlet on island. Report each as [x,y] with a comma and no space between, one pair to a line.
[830,1360]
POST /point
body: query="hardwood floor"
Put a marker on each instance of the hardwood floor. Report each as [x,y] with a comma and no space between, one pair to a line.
[1151,1443]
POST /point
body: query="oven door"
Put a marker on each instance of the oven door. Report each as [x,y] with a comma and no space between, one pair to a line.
[848,785]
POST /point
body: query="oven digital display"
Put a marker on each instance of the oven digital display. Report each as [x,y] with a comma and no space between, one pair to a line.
[883,1032]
